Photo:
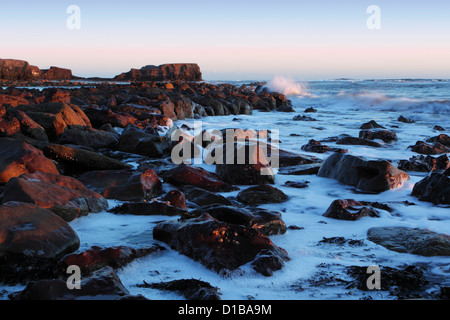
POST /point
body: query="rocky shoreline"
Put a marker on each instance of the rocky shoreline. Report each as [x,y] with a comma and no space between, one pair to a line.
[66,152]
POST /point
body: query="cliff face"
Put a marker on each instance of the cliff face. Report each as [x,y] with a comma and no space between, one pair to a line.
[11,69]
[165,72]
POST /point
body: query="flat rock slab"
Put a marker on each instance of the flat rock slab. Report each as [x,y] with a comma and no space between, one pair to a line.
[411,240]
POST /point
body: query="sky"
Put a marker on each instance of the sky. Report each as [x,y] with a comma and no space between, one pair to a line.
[234,40]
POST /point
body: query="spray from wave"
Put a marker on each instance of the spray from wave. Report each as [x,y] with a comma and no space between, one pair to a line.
[287,86]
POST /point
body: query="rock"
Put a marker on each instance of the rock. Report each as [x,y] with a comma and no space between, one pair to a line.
[296,184]
[220,246]
[438,128]
[30,231]
[191,289]
[11,69]
[55,117]
[148,208]
[103,284]
[411,240]
[254,170]
[77,161]
[430,149]
[301,117]
[287,158]
[358,141]
[434,188]
[175,198]
[137,141]
[385,135]
[349,209]
[18,157]
[9,126]
[165,72]
[266,221]
[317,147]
[29,127]
[101,116]
[123,185]
[405,120]
[65,196]
[55,73]
[88,137]
[372,124]
[365,175]
[425,164]
[203,197]
[97,258]
[197,177]
[261,194]
[442,139]
[310,110]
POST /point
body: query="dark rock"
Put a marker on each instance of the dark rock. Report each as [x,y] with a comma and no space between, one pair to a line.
[310,110]
[11,69]
[30,231]
[65,196]
[55,73]
[97,258]
[438,128]
[266,221]
[301,117]
[349,209]
[442,139]
[148,208]
[425,164]
[175,198]
[385,135]
[191,289]
[358,141]
[296,184]
[302,169]
[137,141]
[434,188]
[342,241]
[287,158]
[405,120]
[219,246]
[365,175]
[88,137]
[197,177]
[103,284]
[28,127]
[18,157]
[203,197]
[124,185]
[411,240]
[261,194]
[430,149]
[317,147]
[372,124]
[165,72]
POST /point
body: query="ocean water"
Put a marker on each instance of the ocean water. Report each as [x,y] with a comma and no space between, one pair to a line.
[342,106]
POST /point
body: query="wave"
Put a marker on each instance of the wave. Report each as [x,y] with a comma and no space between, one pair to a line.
[287,86]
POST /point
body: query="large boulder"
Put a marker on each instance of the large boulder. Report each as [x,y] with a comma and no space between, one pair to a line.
[124,185]
[434,188]
[18,157]
[221,246]
[261,194]
[30,231]
[411,240]
[372,176]
[349,209]
[88,137]
[165,72]
[150,144]
[11,69]
[65,196]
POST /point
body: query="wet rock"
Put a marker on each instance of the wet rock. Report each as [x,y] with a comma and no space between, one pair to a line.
[405,120]
[124,185]
[88,137]
[349,209]
[425,163]
[358,141]
[103,284]
[430,149]
[438,128]
[342,241]
[165,72]
[302,169]
[372,124]
[266,221]
[317,147]
[97,258]
[434,188]
[310,110]
[300,117]
[219,246]
[101,116]
[30,231]
[150,144]
[203,197]
[366,175]
[411,240]
[288,158]
[296,184]
[175,198]
[78,161]
[197,177]
[191,289]
[384,135]
[261,194]
[18,157]
[65,196]
[148,208]
[28,127]
[442,139]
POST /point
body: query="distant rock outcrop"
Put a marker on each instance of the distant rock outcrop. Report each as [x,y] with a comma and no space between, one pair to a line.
[165,72]
[11,69]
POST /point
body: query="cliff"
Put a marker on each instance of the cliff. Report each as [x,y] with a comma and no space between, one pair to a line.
[11,69]
[165,72]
